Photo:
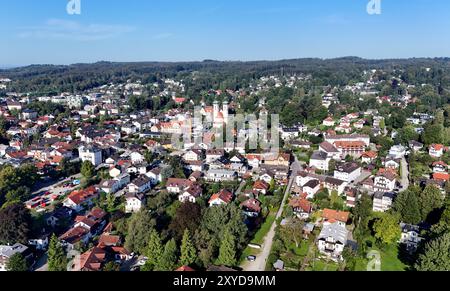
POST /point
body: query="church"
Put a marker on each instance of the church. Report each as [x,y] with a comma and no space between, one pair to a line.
[215,115]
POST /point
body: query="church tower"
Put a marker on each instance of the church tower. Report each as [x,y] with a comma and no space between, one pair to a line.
[216,109]
[225,111]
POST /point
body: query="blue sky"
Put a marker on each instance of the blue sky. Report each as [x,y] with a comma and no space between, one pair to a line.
[41,31]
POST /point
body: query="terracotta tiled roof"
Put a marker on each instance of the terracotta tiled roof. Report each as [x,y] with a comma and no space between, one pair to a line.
[329,214]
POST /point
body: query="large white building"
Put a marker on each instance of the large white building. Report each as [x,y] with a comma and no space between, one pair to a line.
[91,154]
[347,172]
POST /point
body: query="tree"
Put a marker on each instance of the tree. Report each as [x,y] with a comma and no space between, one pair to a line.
[430,199]
[57,259]
[433,133]
[17,263]
[139,229]
[292,232]
[407,206]
[15,221]
[111,267]
[387,229]
[187,216]
[154,251]
[169,257]
[20,194]
[227,251]
[87,170]
[188,251]
[436,255]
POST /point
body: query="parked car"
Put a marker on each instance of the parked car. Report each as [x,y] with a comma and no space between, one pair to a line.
[251,258]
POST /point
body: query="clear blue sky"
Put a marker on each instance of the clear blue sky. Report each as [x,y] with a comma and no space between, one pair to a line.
[41,31]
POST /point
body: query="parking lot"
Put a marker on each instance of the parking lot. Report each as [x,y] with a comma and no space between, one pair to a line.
[45,197]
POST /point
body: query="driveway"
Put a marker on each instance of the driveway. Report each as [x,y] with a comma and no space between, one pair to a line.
[405,175]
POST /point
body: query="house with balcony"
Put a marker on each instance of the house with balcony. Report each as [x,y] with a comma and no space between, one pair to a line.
[332,241]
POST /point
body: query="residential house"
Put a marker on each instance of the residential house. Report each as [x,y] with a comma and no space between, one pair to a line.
[283,160]
[214,155]
[415,146]
[218,175]
[311,188]
[140,185]
[398,152]
[302,207]
[369,156]
[77,200]
[333,184]
[382,201]
[320,160]
[385,181]
[191,194]
[261,187]
[6,252]
[331,150]
[329,122]
[193,155]
[330,216]
[348,172]
[224,197]
[134,202]
[251,207]
[436,150]
[175,185]
[91,154]
[392,163]
[411,237]
[332,240]
[440,167]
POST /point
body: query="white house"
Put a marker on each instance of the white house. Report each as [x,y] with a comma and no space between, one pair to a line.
[311,188]
[398,152]
[218,175]
[140,185]
[331,150]
[329,122]
[134,203]
[191,194]
[347,172]
[436,150]
[137,158]
[332,240]
[91,154]
[6,252]
[320,161]
[410,236]
[193,155]
[385,182]
[382,202]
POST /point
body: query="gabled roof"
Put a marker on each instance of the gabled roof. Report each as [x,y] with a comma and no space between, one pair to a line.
[329,214]
[336,231]
[224,195]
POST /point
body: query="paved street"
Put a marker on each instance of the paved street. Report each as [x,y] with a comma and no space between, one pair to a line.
[261,259]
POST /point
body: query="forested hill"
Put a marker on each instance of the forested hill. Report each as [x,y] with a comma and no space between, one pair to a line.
[79,77]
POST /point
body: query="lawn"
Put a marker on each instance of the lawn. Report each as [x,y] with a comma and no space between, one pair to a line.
[389,260]
[302,250]
[258,239]
[322,266]
[264,229]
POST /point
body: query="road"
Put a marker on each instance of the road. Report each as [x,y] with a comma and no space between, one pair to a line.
[260,263]
[41,264]
[239,190]
[405,175]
